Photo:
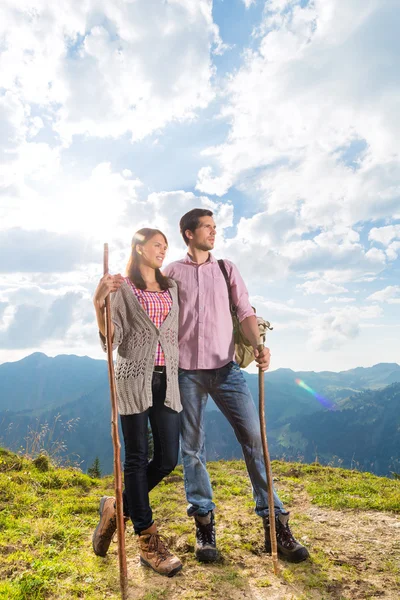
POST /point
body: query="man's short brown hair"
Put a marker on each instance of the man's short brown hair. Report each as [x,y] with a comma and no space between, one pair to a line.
[191,221]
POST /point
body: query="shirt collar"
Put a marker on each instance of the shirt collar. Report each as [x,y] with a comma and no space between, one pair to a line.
[188,260]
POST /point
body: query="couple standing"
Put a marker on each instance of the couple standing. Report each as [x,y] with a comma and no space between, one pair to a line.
[158,382]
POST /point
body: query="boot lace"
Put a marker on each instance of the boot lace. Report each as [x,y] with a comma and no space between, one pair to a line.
[205,533]
[159,546]
[110,529]
[285,536]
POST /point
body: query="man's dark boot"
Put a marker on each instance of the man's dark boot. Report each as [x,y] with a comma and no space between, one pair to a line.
[288,547]
[205,548]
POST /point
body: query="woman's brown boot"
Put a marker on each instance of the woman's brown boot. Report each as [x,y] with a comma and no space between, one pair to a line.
[154,553]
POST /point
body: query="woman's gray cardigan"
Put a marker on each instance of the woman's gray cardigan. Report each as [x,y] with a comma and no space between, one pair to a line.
[136,338]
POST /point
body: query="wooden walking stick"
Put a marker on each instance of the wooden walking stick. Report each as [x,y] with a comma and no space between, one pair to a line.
[123,572]
[268,470]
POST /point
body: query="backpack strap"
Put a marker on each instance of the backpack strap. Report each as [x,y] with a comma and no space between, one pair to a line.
[232,305]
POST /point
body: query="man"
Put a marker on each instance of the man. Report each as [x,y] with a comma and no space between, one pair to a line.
[206,366]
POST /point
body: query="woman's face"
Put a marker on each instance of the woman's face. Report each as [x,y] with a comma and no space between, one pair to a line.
[153,251]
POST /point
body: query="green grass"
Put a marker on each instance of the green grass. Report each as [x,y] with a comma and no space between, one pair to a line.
[155,595]
[47,518]
[45,524]
[340,488]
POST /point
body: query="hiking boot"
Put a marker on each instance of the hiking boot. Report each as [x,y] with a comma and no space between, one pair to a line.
[106,527]
[154,553]
[205,548]
[288,547]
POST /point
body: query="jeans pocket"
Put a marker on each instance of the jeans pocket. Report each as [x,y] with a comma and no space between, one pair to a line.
[230,366]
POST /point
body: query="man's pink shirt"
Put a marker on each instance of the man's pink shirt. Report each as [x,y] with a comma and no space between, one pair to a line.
[205,322]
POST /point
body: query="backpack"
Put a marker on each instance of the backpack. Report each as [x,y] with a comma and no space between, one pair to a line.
[243,349]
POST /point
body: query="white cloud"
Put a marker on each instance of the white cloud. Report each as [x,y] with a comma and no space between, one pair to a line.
[330,331]
[51,312]
[99,67]
[281,314]
[31,324]
[42,251]
[376,255]
[321,287]
[336,256]
[339,299]
[266,229]
[384,235]
[216,186]
[392,251]
[390,294]
[91,206]
[258,262]
[303,139]
[325,331]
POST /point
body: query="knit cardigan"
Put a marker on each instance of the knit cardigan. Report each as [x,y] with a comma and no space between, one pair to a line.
[136,338]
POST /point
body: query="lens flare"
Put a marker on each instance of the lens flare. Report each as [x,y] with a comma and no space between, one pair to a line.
[324,401]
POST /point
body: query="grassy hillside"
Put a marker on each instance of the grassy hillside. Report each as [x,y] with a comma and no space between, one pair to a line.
[349,520]
[364,432]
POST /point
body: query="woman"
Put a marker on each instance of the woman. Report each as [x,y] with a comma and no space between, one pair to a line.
[144,312]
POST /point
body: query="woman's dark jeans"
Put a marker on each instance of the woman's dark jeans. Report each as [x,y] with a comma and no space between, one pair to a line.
[140,475]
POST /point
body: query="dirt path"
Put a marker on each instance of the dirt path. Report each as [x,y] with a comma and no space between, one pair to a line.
[355,556]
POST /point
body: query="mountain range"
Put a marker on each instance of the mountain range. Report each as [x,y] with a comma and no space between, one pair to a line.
[350,417]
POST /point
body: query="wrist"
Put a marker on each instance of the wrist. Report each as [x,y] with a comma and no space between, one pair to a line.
[99,304]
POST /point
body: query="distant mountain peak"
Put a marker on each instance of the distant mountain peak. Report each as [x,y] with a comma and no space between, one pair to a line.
[378,367]
[386,365]
[35,356]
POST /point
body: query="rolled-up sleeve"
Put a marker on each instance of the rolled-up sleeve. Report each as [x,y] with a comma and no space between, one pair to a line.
[118,317]
[240,294]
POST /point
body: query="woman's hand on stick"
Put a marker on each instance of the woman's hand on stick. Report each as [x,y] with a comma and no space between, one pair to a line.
[107,284]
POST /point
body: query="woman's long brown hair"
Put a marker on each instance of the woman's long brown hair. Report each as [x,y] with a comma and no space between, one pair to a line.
[133,267]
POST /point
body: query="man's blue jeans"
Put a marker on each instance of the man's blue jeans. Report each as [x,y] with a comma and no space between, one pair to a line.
[229,390]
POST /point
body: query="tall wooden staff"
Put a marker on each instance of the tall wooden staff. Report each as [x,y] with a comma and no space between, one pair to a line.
[267,460]
[123,572]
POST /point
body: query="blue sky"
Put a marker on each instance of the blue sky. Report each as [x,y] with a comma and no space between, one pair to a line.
[280,115]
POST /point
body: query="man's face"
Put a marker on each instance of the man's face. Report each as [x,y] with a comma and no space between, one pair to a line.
[203,238]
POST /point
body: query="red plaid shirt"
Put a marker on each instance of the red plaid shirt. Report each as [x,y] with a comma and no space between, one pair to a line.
[157,305]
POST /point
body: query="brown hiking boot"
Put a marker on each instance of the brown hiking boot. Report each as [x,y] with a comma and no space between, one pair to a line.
[154,553]
[106,527]
[205,548]
[288,547]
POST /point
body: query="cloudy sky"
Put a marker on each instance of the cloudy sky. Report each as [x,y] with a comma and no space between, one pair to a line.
[281,115]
